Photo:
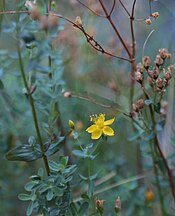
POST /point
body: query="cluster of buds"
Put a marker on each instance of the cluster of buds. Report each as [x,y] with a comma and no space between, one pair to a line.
[154,15]
[139,73]
[49,21]
[155,77]
[100,205]
[138,105]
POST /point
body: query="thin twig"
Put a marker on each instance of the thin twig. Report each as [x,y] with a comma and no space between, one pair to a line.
[89,9]
[125,8]
[112,9]
[108,17]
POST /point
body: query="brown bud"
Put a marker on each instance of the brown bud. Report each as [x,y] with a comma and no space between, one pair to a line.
[163,109]
[159,61]
[159,84]
[148,21]
[167,75]
[78,21]
[34,13]
[100,205]
[155,15]
[153,73]
[170,68]
[139,104]
[53,21]
[67,94]
[163,53]
[146,62]
[117,205]
[139,67]
[138,77]
[44,22]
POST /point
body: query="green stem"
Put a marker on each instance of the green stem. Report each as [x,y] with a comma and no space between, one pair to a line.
[33,111]
[157,180]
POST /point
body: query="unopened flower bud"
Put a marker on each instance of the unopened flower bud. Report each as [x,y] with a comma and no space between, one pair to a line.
[44,22]
[138,77]
[71,124]
[159,84]
[67,94]
[155,15]
[139,67]
[100,205]
[117,205]
[53,21]
[146,62]
[159,61]
[163,53]
[139,104]
[34,13]
[153,73]
[170,68]
[148,21]
[78,21]
[167,75]
[149,196]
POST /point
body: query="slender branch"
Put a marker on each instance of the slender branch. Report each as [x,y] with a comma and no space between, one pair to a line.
[108,17]
[89,9]
[133,53]
[150,7]
[33,112]
[112,9]
[170,176]
[125,8]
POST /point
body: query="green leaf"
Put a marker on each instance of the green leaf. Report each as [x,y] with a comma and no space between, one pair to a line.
[55,147]
[1,85]
[49,195]
[64,161]
[24,152]
[73,209]
[54,166]
[79,153]
[24,197]
[148,102]
[30,209]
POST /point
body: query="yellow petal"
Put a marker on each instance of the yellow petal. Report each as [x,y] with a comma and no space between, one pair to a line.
[101,119]
[96,134]
[108,131]
[109,122]
[92,128]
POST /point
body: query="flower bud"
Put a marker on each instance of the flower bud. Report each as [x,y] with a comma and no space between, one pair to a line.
[155,15]
[67,94]
[146,62]
[159,84]
[138,77]
[153,73]
[139,67]
[148,21]
[167,75]
[78,21]
[170,68]
[159,61]
[71,124]
[100,205]
[117,205]
[163,53]
[34,13]
[149,196]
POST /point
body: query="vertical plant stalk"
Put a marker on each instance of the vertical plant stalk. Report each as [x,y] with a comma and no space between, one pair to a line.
[35,119]
[157,145]
[157,181]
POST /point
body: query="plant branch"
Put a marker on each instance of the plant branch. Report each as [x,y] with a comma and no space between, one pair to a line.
[33,112]
[89,9]
[108,17]
[112,9]
[126,10]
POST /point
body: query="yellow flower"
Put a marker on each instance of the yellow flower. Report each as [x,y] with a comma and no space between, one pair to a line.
[100,127]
